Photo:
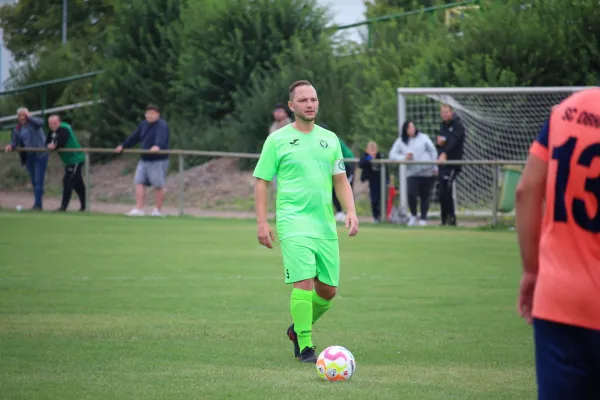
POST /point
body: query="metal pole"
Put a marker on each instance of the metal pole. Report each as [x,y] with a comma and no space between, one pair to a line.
[403,189]
[87,182]
[1,82]
[95,91]
[43,100]
[383,212]
[64,23]
[495,184]
[402,185]
[181,184]
[401,112]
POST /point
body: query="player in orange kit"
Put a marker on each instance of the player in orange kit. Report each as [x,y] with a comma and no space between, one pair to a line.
[558,225]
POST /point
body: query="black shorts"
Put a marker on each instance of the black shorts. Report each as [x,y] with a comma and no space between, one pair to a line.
[567,361]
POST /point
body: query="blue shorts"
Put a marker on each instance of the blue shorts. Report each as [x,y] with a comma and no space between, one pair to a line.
[567,361]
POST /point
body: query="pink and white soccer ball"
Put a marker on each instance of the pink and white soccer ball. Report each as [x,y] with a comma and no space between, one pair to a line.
[336,363]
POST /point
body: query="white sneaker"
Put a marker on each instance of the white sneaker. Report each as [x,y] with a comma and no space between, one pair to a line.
[412,220]
[135,212]
[156,213]
[423,222]
[340,217]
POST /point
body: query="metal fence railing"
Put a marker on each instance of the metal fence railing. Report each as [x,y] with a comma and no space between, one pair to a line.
[494,165]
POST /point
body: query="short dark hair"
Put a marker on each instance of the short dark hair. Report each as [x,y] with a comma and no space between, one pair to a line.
[296,84]
[152,107]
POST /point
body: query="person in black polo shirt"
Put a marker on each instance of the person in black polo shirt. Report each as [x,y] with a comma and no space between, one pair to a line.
[450,143]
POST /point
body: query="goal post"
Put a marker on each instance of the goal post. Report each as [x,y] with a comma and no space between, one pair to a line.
[500,124]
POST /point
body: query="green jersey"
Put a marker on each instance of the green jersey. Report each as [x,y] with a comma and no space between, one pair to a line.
[304,165]
[65,138]
[346,150]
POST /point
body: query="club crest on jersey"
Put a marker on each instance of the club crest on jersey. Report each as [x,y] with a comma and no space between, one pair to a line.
[341,165]
[324,144]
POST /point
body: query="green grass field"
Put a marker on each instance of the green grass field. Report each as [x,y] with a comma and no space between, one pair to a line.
[108,307]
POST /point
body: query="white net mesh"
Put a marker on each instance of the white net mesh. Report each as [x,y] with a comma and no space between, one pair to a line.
[498,125]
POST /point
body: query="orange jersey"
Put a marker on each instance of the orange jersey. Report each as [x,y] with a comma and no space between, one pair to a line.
[568,285]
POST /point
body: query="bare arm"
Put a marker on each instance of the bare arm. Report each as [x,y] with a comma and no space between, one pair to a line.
[529,205]
[265,235]
[261,190]
[343,192]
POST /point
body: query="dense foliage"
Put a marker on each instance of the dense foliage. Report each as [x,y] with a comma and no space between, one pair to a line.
[217,67]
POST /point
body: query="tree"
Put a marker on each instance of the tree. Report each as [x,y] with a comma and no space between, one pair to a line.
[335,79]
[32,32]
[32,26]
[226,41]
[49,65]
[380,8]
[490,54]
[141,62]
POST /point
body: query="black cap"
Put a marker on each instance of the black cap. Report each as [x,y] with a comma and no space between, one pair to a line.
[278,106]
[152,107]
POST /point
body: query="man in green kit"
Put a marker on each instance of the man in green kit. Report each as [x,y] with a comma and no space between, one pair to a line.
[61,136]
[308,162]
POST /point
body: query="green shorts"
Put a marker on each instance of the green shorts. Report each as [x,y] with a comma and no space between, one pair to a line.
[306,258]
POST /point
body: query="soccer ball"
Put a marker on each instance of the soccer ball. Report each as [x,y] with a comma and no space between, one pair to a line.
[336,363]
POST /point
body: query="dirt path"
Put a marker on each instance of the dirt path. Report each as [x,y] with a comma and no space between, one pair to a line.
[10,200]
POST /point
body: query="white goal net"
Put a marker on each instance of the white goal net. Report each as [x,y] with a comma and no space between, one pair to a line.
[500,124]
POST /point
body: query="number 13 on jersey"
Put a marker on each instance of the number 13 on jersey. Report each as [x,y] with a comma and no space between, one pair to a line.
[564,156]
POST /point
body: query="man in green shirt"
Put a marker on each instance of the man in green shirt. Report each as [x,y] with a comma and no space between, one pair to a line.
[61,136]
[308,162]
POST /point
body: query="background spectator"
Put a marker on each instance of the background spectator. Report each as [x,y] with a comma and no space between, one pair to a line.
[29,132]
[450,143]
[340,216]
[61,136]
[280,117]
[152,168]
[372,173]
[417,146]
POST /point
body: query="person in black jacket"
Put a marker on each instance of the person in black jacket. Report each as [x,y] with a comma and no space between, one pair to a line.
[450,143]
[372,173]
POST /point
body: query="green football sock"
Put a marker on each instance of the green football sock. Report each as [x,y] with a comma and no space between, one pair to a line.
[302,309]
[320,306]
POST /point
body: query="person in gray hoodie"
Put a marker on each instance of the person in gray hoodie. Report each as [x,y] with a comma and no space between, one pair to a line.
[29,132]
[417,146]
